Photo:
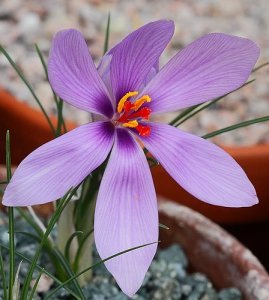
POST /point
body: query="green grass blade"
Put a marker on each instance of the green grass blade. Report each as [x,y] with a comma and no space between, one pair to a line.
[10,223]
[79,251]
[236,126]
[184,113]
[163,226]
[57,259]
[8,156]
[63,202]
[3,275]
[106,44]
[203,106]
[69,271]
[30,221]
[28,260]
[16,285]
[21,75]
[44,65]
[31,297]
[68,244]
[96,264]
[260,67]
[58,102]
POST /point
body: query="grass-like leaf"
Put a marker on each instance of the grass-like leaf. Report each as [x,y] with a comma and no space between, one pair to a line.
[94,265]
[236,126]
[28,260]
[260,67]
[58,101]
[23,78]
[62,204]
[163,226]
[106,44]
[80,247]
[68,244]
[16,285]
[10,223]
[31,297]
[3,275]
[203,106]
[57,259]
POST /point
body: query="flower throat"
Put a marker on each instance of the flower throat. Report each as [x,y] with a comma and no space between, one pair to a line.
[131,113]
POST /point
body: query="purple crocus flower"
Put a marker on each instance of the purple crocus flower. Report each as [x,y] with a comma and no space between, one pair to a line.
[124,91]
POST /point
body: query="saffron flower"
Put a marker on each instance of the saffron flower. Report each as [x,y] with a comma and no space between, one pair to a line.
[124,91]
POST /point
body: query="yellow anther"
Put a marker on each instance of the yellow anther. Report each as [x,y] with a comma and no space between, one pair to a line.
[124,99]
[139,102]
[130,124]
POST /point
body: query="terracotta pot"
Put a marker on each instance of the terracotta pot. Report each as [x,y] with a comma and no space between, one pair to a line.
[213,251]
[254,160]
[29,130]
[210,248]
[28,127]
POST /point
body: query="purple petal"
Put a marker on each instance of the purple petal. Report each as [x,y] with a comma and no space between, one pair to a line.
[210,67]
[126,214]
[52,169]
[135,56]
[73,75]
[202,168]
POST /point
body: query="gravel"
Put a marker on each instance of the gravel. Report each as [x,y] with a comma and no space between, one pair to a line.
[167,278]
[23,23]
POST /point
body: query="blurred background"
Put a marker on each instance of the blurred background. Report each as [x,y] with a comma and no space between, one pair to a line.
[26,22]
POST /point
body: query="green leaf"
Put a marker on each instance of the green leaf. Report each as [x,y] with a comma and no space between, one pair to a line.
[3,275]
[236,126]
[96,264]
[21,75]
[106,44]
[16,285]
[79,251]
[10,223]
[62,204]
[163,226]
[68,244]
[184,113]
[203,106]
[28,260]
[260,67]
[58,102]
[31,297]
[56,258]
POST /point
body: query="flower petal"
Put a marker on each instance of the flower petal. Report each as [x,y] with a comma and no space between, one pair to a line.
[73,75]
[210,67]
[126,214]
[135,56]
[52,169]
[202,168]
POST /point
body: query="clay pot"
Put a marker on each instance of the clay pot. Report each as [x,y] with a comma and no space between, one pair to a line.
[213,251]
[210,249]
[28,127]
[255,162]
[29,130]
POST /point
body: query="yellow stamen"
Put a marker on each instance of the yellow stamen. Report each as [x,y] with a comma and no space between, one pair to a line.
[124,99]
[130,124]
[139,102]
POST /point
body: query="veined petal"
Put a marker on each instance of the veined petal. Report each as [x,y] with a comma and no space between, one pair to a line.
[52,169]
[210,67]
[126,214]
[135,56]
[200,167]
[73,75]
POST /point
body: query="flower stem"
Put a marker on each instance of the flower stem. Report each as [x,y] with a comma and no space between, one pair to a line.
[10,223]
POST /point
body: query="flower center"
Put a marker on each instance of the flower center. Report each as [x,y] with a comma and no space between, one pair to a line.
[131,113]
